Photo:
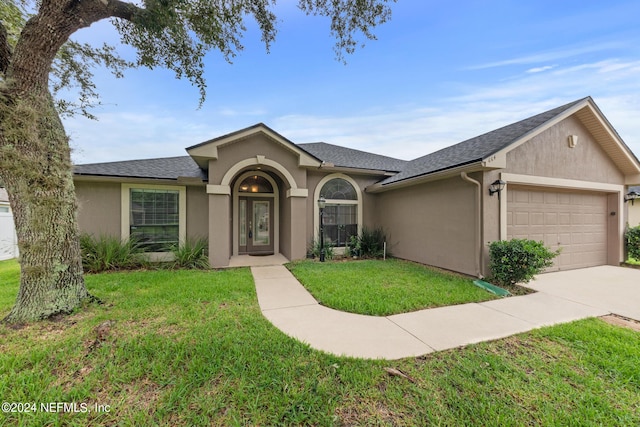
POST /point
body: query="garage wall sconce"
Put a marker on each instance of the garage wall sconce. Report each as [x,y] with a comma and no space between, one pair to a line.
[573,141]
[631,196]
[496,187]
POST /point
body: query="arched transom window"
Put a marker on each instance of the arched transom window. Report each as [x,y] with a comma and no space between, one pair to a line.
[255,184]
[341,211]
[338,189]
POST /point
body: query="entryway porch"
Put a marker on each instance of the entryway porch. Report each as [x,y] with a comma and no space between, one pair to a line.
[257,261]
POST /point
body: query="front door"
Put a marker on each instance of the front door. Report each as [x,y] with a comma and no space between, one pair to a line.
[255,222]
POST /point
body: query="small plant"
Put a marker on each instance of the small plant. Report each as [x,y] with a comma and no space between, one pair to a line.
[632,237]
[192,253]
[353,247]
[313,250]
[369,244]
[105,253]
[518,260]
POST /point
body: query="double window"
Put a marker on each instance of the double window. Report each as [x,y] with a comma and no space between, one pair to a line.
[341,211]
[156,216]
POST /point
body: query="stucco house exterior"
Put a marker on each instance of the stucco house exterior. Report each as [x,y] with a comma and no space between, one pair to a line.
[565,174]
[634,207]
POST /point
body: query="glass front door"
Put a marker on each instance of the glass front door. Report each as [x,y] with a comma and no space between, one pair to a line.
[255,222]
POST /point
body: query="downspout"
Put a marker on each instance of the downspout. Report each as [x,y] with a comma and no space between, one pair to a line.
[464,176]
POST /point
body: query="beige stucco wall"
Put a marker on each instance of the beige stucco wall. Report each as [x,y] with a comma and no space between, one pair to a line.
[432,223]
[634,213]
[368,199]
[98,207]
[549,155]
[231,154]
[197,212]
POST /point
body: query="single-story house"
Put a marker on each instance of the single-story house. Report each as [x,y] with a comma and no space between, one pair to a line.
[563,178]
[8,239]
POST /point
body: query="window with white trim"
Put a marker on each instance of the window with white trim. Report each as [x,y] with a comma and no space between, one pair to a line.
[154,215]
[154,218]
[341,211]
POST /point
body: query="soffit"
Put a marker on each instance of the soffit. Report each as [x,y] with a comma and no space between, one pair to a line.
[608,139]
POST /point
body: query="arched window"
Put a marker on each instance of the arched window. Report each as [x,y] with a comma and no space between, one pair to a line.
[255,184]
[341,211]
[338,189]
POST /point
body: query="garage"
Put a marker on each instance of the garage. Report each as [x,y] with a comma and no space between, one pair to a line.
[575,221]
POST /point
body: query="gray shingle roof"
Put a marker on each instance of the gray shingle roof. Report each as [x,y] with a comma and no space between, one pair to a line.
[163,168]
[470,151]
[475,149]
[350,158]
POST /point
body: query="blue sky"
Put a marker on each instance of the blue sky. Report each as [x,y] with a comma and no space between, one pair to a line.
[439,73]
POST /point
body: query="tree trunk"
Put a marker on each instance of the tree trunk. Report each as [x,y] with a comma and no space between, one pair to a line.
[36,167]
[35,161]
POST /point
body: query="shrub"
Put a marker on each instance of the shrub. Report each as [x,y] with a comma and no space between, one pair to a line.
[632,237]
[518,260]
[314,249]
[193,253]
[369,244]
[104,253]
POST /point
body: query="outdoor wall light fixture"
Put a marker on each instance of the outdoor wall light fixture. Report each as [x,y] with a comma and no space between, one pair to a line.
[496,187]
[573,141]
[631,195]
[321,204]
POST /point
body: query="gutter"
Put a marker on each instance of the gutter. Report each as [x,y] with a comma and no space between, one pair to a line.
[478,238]
[474,166]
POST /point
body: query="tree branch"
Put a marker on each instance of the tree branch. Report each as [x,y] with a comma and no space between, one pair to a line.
[123,10]
[86,12]
[5,49]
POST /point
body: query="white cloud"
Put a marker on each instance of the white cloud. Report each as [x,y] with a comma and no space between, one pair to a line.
[402,131]
[541,69]
[548,56]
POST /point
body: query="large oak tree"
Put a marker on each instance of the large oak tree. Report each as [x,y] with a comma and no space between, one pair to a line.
[38,57]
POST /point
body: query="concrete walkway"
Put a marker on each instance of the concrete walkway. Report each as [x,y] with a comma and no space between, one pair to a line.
[288,305]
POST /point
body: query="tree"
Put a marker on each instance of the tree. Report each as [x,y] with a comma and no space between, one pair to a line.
[37,57]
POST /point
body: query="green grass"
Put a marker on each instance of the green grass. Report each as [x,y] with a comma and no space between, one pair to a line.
[382,288]
[189,348]
[633,261]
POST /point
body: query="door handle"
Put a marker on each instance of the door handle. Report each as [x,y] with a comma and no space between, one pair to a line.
[250,230]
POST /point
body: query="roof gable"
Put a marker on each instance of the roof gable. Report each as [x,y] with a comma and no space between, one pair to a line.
[205,151]
[489,150]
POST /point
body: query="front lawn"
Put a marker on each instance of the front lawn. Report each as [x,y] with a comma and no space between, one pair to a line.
[383,288]
[186,348]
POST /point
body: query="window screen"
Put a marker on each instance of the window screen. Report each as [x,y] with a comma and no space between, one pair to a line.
[154,221]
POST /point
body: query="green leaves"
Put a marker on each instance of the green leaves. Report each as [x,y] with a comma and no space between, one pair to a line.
[350,18]
[72,69]
[518,260]
[177,34]
[632,237]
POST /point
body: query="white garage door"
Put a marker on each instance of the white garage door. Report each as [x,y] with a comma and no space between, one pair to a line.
[573,221]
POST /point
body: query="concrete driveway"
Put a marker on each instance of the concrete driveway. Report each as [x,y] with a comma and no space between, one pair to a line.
[614,289]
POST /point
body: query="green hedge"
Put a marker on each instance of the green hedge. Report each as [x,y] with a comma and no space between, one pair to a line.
[632,237]
[518,260]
